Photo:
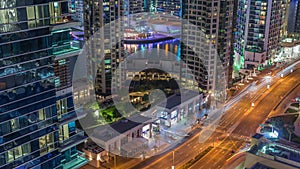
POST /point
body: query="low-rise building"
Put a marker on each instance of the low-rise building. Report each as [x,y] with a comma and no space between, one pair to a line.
[178,107]
[131,137]
[124,137]
[267,154]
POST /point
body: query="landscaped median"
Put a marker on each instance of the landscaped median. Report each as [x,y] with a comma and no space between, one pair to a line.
[197,158]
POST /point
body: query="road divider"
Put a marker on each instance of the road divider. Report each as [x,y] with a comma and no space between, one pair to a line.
[195,159]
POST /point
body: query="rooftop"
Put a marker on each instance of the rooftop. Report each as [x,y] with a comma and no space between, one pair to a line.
[257,136]
[108,132]
[177,99]
[279,152]
[260,166]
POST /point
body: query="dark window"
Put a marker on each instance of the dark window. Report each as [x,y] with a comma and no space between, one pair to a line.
[64,7]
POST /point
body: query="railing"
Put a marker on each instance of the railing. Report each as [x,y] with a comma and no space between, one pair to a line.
[74,162]
[75,139]
[67,116]
[66,47]
[78,133]
[82,154]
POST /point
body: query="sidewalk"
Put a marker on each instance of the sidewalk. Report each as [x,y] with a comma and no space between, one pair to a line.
[262,73]
[259,76]
[159,143]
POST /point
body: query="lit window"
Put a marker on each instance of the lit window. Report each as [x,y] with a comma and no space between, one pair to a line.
[41,114]
[18,152]
[10,155]
[14,123]
[26,149]
[55,4]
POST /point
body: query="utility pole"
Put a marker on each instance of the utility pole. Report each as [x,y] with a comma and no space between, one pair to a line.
[115,161]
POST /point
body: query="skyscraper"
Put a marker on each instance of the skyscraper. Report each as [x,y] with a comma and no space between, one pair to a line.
[109,17]
[99,13]
[172,7]
[258,32]
[76,6]
[149,5]
[133,6]
[211,37]
[37,128]
[294,17]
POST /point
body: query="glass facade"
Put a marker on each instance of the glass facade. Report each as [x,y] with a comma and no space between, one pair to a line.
[294,17]
[258,33]
[30,109]
[206,39]
[172,7]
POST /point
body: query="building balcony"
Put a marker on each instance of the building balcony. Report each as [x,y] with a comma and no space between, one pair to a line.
[72,116]
[66,49]
[73,140]
[67,117]
[78,161]
[65,23]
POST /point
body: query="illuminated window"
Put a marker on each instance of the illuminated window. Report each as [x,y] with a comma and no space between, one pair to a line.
[57,82]
[62,62]
[30,12]
[14,123]
[63,132]
[18,152]
[41,114]
[61,106]
[107,51]
[8,16]
[107,61]
[55,12]
[81,95]
[50,141]
[46,143]
[10,155]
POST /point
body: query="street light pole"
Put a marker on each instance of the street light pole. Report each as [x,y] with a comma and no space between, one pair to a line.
[115,161]
[173,167]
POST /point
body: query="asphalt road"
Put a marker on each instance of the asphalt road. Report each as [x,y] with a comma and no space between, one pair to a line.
[249,122]
[233,130]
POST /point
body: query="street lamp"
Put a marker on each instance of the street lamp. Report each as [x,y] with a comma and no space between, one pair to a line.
[268,86]
[252,104]
[281,75]
[254,73]
[173,166]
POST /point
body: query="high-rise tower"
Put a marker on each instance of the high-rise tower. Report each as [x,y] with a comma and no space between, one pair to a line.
[37,128]
[172,7]
[293,20]
[258,32]
[99,13]
[109,17]
[211,37]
